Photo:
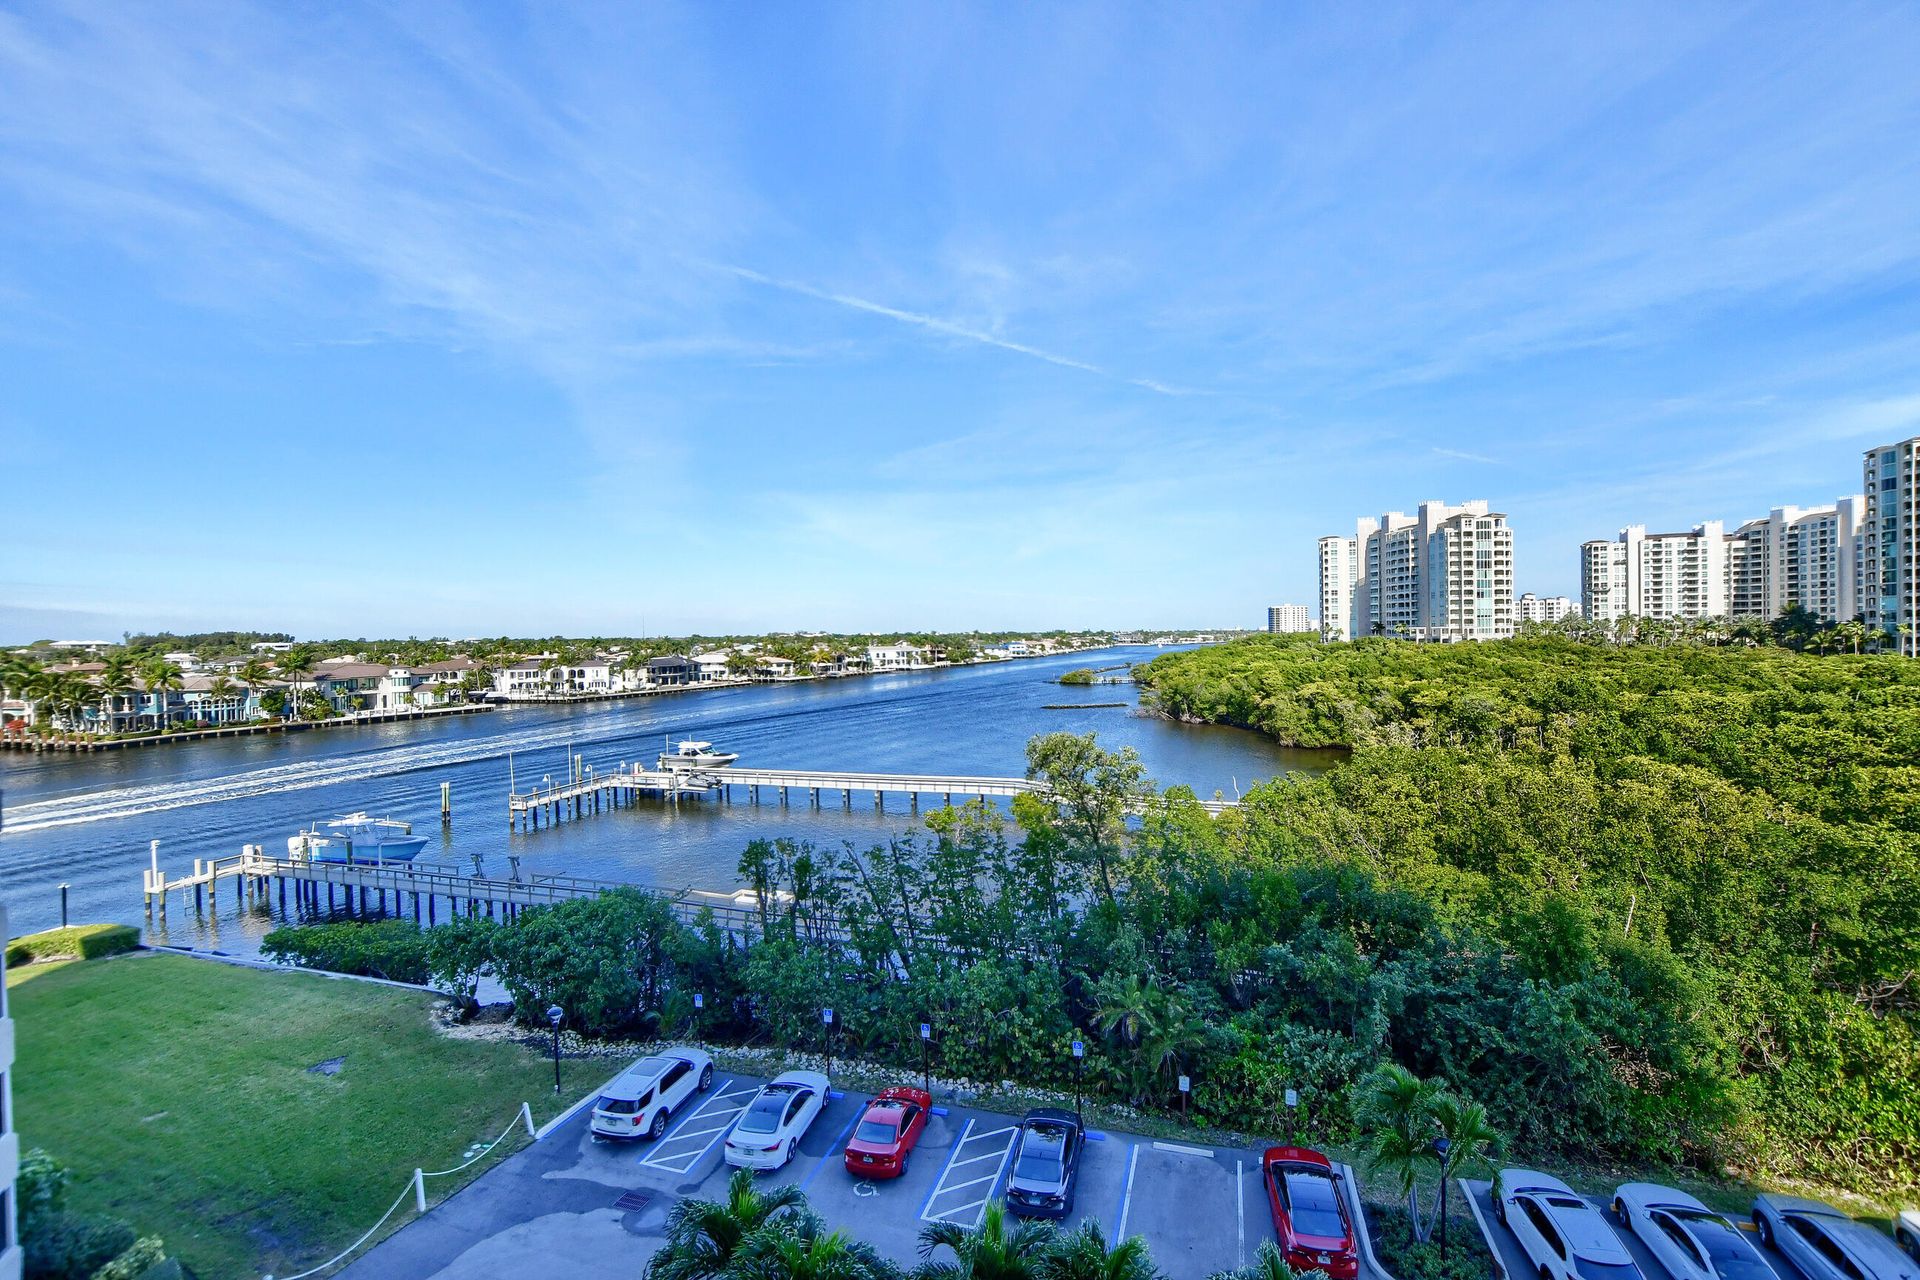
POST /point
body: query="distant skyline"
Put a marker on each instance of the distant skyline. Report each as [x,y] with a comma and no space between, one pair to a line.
[427,320]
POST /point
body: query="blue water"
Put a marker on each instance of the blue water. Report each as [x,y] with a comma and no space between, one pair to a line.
[86,819]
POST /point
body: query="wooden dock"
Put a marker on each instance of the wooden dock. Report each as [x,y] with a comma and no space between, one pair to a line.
[590,792]
[424,890]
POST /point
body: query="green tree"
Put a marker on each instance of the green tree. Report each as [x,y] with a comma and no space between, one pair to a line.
[160,678]
[1084,1254]
[704,1237]
[1091,792]
[1002,1247]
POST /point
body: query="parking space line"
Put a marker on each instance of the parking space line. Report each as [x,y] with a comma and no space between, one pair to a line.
[991,1155]
[962,1186]
[1181,1149]
[662,1157]
[838,1143]
[1239,1213]
[1126,1196]
[969,1212]
[935,1189]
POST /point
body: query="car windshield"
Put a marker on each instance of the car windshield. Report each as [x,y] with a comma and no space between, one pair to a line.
[764,1115]
[1591,1270]
[1312,1206]
[880,1133]
[620,1106]
[1042,1153]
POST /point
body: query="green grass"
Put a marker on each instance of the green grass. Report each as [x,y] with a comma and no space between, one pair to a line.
[178,1092]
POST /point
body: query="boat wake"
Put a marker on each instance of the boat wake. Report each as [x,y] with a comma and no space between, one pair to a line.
[131,802]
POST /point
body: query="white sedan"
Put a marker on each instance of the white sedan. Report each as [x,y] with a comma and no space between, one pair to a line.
[1690,1240]
[1563,1236]
[769,1131]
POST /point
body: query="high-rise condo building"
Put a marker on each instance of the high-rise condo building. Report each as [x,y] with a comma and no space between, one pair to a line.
[1658,575]
[1532,608]
[1889,544]
[1338,569]
[1806,556]
[1444,574]
[1288,619]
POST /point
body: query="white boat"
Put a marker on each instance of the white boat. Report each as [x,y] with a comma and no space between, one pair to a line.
[358,838]
[689,756]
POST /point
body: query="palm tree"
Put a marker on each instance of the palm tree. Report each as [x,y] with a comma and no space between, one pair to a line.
[1268,1264]
[295,665]
[990,1251]
[161,678]
[116,681]
[221,689]
[1396,1109]
[1085,1255]
[703,1236]
[256,673]
[794,1248]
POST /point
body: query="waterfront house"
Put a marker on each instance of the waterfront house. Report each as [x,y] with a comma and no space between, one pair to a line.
[670,670]
[520,680]
[894,657]
[711,668]
[448,671]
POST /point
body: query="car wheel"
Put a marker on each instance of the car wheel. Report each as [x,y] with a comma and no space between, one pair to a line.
[659,1124]
[1500,1211]
[1620,1212]
[706,1077]
[791,1144]
[903,1163]
[1761,1225]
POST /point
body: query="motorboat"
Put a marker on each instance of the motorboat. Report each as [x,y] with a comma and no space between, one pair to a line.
[689,756]
[357,838]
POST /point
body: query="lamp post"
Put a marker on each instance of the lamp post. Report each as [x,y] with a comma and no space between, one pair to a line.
[64,886]
[1441,1145]
[1079,1065]
[554,1014]
[926,1057]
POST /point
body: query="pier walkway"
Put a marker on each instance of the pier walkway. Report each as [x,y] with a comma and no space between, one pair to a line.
[427,890]
[592,791]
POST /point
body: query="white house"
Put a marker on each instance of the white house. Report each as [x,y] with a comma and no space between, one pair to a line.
[709,668]
[894,657]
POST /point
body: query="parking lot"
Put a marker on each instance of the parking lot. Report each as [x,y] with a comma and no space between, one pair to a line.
[1515,1266]
[570,1205]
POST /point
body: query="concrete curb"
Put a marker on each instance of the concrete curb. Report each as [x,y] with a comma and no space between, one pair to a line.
[1486,1232]
[1357,1211]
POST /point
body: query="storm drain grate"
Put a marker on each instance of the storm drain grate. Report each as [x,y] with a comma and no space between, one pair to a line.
[633,1201]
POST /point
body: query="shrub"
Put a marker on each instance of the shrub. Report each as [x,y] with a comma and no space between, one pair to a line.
[72,1246]
[393,949]
[80,942]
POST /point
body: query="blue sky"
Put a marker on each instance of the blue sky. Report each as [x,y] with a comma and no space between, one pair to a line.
[415,319]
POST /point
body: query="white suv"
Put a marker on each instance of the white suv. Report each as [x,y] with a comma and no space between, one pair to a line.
[639,1103]
[1563,1236]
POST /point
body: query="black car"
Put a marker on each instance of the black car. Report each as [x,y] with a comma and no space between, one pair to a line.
[1046,1164]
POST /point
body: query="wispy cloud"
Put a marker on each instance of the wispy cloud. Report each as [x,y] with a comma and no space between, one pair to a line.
[1463,456]
[946,328]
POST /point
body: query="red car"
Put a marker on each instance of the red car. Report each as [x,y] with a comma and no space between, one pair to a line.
[1309,1215]
[886,1133]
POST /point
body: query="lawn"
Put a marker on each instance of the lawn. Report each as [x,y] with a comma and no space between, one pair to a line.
[178,1091]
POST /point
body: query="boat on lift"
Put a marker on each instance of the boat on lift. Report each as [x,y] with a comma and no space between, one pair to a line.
[688,756]
[357,838]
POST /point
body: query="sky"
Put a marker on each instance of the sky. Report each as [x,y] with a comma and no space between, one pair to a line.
[387,320]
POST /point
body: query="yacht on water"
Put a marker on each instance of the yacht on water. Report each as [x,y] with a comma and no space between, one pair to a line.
[691,756]
[357,838]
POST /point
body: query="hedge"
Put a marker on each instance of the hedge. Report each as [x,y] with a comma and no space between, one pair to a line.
[81,942]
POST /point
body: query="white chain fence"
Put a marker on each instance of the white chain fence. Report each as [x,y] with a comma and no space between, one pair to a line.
[417,1187]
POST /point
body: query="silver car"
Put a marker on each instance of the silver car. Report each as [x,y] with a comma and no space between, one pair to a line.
[1690,1240]
[1825,1244]
[1906,1229]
